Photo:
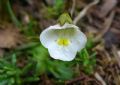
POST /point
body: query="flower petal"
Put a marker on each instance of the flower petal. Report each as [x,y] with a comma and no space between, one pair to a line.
[79,40]
[62,54]
[67,53]
[49,36]
[77,37]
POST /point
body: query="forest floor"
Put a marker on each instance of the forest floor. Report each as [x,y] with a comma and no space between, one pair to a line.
[21,22]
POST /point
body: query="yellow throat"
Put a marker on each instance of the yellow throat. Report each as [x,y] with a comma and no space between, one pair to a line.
[63,41]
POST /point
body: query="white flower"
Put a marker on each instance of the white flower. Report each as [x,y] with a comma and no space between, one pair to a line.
[63,42]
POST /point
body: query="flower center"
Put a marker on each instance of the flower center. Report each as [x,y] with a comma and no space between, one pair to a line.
[63,41]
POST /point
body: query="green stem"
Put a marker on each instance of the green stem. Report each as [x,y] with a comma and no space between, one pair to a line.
[12,15]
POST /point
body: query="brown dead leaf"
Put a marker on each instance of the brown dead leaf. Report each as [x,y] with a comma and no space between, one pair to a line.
[10,37]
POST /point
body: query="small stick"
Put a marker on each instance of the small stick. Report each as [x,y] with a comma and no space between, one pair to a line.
[99,78]
[116,55]
[84,11]
[73,7]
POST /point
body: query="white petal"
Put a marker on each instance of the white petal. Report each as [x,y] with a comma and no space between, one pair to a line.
[48,36]
[79,39]
[66,53]
[51,34]
[67,26]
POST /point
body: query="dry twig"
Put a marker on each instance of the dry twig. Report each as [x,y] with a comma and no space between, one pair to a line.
[73,7]
[84,11]
[116,55]
[99,78]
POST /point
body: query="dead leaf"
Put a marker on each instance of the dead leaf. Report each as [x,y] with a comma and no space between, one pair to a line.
[10,37]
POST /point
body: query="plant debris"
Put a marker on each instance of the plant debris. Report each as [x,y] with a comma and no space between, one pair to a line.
[10,37]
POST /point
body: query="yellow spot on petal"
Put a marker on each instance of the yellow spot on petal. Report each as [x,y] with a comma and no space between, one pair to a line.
[63,41]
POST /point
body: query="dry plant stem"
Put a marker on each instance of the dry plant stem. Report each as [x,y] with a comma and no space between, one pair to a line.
[74,80]
[106,27]
[114,51]
[99,78]
[84,11]
[73,7]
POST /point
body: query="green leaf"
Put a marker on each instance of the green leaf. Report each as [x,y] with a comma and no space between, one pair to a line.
[61,70]
[40,55]
[59,5]
[14,59]
[90,42]
[88,62]
[3,82]
[12,15]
